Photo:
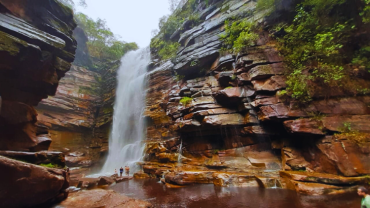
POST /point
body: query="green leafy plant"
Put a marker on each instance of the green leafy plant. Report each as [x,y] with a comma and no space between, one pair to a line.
[186,100]
[179,77]
[49,165]
[194,63]
[102,43]
[238,35]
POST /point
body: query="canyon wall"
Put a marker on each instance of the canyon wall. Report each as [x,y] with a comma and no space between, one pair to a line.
[237,129]
[37,49]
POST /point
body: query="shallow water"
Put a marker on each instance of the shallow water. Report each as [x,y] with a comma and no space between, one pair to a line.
[209,196]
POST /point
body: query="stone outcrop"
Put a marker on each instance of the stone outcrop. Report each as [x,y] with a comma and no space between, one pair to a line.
[102,198]
[36,51]
[27,185]
[237,124]
[74,105]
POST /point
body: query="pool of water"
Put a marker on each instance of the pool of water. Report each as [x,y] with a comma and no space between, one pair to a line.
[210,196]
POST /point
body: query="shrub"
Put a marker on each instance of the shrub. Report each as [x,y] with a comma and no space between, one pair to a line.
[186,100]
[238,35]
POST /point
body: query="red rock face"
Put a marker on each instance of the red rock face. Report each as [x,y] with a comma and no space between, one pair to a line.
[35,56]
[36,50]
[74,106]
[235,109]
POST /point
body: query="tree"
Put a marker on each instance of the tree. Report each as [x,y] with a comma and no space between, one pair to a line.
[102,44]
[173,4]
[71,3]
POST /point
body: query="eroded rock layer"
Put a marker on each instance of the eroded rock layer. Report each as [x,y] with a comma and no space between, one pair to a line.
[229,121]
[36,50]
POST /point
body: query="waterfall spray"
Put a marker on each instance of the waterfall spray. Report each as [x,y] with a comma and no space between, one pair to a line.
[125,142]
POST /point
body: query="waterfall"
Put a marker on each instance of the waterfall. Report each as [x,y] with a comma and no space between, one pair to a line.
[180,152]
[125,141]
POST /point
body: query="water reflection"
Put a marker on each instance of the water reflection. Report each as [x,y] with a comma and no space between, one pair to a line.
[210,196]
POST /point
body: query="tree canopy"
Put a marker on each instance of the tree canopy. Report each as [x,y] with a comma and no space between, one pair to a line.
[102,43]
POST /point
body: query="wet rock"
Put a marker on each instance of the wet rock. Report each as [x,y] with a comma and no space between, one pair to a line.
[43,143]
[257,130]
[76,154]
[232,95]
[88,183]
[348,156]
[78,161]
[25,184]
[266,71]
[320,189]
[263,159]
[103,180]
[225,119]
[189,177]
[141,175]
[123,178]
[37,158]
[272,84]
[308,126]
[235,179]
[324,178]
[102,198]
[167,157]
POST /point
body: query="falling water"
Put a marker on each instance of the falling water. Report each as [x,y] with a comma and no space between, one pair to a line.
[125,146]
[180,152]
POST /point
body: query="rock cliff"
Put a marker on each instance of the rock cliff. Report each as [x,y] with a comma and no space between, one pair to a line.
[234,128]
[37,49]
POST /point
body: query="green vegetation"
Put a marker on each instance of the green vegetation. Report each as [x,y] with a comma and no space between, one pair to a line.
[316,116]
[350,134]
[238,35]
[50,165]
[323,45]
[161,44]
[179,77]
[186,100]
[229,87]
[102,43]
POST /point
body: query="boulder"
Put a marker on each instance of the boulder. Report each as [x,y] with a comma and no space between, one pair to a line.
[103,180]
[25,185]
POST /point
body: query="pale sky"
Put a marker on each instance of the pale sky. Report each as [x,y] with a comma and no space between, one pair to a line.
[133,20]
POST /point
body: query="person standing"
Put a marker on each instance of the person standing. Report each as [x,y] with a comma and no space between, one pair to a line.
[365,202]
[121,171]
[127,170]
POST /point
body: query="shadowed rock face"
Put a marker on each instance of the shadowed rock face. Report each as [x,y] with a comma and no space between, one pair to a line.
[36,50]
[237,120]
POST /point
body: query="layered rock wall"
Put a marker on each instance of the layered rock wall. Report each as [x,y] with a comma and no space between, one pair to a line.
[36,51]
[236,119]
